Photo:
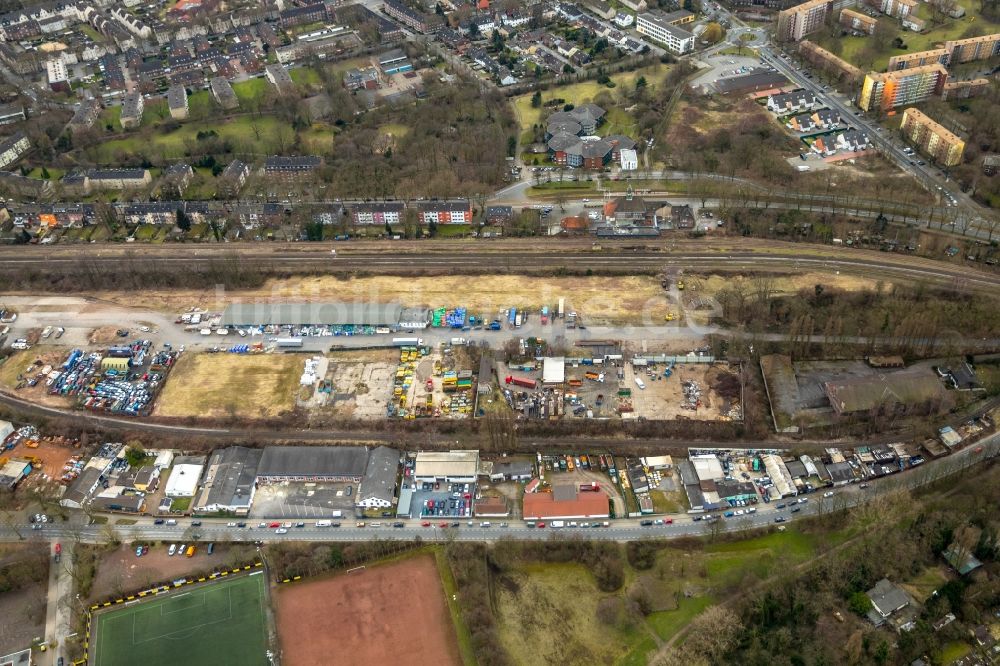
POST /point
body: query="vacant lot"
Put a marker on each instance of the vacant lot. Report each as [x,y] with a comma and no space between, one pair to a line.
[215,385]
[23,365]
[213,623]
[25,572]
[371,617]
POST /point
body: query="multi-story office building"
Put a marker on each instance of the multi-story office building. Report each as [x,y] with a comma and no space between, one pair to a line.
[657,26]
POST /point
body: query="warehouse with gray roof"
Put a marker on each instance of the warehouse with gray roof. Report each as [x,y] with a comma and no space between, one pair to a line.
[388,315]
[313,464]
[230,481]
[378,488]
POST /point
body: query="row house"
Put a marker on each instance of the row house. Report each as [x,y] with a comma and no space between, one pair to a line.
[378,213]
[291,168]
[853,141]
[792,102]
[153,212]
[457,211]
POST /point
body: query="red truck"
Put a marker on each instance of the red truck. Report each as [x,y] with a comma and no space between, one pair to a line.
[592,487]
[521,381]
[58,551]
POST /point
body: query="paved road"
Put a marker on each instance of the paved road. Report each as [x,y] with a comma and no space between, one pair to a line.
[59,603]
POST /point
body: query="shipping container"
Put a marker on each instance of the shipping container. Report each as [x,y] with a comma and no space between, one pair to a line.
[522,381]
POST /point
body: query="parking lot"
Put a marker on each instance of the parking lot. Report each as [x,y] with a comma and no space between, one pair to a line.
[303,500]
[449,500]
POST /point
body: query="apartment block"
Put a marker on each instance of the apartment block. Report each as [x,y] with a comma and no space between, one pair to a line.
[964,89]
[853,20]
[796,22]
[378,212]
[888,90]
[900,9]
[917,59]
[458,211]
[820,57]
[177,102]
[932,139]
[973,48]
[656,25]
[131,111]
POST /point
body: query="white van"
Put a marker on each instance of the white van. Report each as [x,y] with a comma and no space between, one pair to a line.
[323,523]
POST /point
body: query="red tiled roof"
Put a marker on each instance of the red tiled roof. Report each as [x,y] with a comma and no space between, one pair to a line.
[586,505]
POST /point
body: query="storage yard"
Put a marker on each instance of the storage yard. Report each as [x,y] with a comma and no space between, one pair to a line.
[652,388]
[368,617]
[240,385]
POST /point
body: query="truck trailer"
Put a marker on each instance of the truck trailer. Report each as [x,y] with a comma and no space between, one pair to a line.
[522,381]
[288,343]
[407,342]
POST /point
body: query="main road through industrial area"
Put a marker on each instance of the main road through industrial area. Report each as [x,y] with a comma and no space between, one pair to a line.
[623,529]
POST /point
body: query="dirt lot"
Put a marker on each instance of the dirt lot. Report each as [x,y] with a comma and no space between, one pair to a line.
[214,385]
[361,388]
[664,398]
[373,616]
[121,571]
[18,364]
[600,299]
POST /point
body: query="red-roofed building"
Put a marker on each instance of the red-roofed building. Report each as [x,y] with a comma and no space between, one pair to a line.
[532,486]
[565,502]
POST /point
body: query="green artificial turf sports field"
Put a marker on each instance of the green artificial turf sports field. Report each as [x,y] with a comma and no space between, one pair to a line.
[209,624]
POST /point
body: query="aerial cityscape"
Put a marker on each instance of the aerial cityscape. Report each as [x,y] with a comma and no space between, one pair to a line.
[500,332]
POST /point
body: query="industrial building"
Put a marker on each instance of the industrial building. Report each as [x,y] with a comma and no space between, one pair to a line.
[331,464]
[184,477]
[553,371]
[447,466]
[13,471]
[387,315]
[565,502]
[378,487]
[931,139]
[889,90]
[917,387]
[230,481]
[796,22]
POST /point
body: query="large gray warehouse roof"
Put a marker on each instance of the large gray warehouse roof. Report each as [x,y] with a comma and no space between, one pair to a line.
[297,314]
[313,461]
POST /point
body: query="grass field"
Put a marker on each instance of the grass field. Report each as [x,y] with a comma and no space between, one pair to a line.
[215,385]
[215,623]
[618,121]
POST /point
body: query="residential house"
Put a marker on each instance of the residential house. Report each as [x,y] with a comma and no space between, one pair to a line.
[176,178]
[792,102]
[291,168]
[802,122]
[886,599]
[85,115]
[378,212]
[117,179]
[628,159]
[151,212]
[853,141]
[826,119]
[624,20]
[457,211]
[499,214]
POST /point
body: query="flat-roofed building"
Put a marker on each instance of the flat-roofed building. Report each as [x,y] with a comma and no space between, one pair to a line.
[796,22]
[185,476]
[448,466]
[313,314]
[933,140]
[889,90]
[917,59]
[13,148]
[655,25]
